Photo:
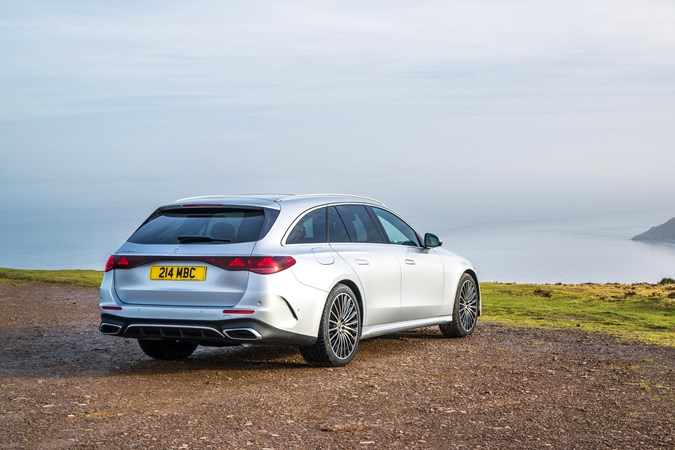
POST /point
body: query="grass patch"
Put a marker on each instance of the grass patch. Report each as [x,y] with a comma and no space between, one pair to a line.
[87,278]
[642,312]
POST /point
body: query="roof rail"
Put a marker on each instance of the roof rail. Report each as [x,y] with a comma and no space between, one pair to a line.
[299,196]
[243,196]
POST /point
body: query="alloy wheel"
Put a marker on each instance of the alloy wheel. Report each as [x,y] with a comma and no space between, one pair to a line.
[343,325]
[468,305]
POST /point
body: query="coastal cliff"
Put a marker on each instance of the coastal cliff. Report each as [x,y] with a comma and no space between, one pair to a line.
[662,233]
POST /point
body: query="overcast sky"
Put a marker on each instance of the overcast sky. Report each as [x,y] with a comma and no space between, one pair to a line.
[475,97]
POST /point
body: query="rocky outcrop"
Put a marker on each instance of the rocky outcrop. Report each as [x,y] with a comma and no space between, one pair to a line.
[663,233]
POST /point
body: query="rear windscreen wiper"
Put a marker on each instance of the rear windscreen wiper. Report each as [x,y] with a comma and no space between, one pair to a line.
[187,239]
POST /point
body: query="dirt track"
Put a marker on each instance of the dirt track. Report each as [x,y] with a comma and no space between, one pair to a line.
[65,385]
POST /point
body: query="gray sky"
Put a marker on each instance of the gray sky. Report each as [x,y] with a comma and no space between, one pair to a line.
[478,98]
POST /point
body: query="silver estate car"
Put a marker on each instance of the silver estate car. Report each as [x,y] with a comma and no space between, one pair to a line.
[320,272]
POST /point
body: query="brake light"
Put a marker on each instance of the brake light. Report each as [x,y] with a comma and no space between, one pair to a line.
[126,262]
[270,264]
[237,262]
[263,265]
[225,262]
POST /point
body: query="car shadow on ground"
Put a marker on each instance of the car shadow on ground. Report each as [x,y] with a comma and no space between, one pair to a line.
[416,334]
[27,354]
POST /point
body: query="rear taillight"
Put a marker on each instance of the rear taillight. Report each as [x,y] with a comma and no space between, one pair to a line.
[226,262]
[259,264]
[270,264]
[263,265]
[127,262]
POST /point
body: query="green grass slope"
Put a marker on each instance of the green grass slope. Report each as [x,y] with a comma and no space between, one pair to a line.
[87,278]
[643,312]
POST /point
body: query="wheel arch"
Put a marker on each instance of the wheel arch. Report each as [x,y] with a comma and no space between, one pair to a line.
[359,297]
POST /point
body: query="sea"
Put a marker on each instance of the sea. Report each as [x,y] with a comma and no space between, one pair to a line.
[506,241]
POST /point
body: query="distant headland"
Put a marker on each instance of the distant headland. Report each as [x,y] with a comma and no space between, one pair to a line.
[662,233]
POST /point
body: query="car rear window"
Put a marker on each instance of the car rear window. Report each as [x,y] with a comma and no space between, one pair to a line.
[205,225]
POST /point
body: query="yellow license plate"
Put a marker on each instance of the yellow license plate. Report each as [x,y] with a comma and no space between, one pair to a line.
[180,273]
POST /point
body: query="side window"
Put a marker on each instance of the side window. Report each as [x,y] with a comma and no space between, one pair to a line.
[397,231]
[310,229]
[336,229]
[360,226]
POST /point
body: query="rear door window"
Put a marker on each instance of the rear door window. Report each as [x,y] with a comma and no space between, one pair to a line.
[336,228]
[203,225]
[360,227]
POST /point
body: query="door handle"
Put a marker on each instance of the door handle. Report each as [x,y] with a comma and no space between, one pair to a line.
[410,262]
[362,262]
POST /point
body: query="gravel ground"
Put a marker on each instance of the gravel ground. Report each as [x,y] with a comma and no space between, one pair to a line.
[64,385]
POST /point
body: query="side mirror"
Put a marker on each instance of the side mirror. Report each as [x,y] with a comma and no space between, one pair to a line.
[431,241]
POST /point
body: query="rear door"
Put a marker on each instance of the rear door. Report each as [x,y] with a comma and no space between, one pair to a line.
[357,239]
[171,242]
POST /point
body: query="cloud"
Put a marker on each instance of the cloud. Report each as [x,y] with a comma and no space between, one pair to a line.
[472,83]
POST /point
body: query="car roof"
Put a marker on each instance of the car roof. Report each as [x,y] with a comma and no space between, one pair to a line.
[274,200]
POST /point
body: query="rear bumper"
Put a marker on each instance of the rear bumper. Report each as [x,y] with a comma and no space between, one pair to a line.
[202,332]
[280,307]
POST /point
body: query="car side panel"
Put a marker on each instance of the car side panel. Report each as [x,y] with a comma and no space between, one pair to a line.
[378,269]
[423,284]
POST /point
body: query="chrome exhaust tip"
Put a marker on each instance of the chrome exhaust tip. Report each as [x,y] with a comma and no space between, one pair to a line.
[242,334]
[109,328]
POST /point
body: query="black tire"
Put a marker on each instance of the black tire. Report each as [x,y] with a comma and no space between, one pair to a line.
[339,331]
[465,311]
[167,350]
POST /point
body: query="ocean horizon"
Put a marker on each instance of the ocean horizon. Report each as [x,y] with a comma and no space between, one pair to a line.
[506,243]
